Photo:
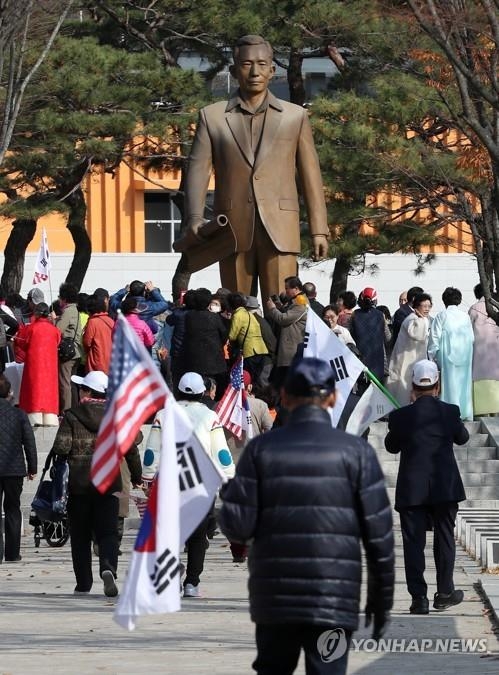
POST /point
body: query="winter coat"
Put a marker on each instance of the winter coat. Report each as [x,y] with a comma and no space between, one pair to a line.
[246,333]
[308,494]
[144,333]
[203,345]
[17,441]
[39,390]
[292,324]
[68,323]
[75,439]
[98,341]
[371,335]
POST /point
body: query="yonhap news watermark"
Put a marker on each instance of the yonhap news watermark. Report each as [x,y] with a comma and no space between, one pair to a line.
[333,644]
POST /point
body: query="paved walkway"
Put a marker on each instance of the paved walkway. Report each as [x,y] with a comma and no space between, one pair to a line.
[44,629]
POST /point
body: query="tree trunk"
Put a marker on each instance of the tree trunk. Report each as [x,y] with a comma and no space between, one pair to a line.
[339,279]
[297,93]
[83,245]
[23,231]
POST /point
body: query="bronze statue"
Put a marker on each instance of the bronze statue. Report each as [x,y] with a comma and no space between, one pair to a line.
[256,144]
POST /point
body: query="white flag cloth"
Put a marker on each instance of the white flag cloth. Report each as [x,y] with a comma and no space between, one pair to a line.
[373,404]
[42,265]
[181,496]
[321,342]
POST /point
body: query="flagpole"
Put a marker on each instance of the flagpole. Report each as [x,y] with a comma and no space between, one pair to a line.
[385,391]
[45,246]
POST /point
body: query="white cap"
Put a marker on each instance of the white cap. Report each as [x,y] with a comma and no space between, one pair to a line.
[425,373]
[95,380]
[191,383]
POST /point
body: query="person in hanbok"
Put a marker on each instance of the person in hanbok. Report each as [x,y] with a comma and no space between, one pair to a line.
[39,393]
[451,346]
[411,346]
[485,371]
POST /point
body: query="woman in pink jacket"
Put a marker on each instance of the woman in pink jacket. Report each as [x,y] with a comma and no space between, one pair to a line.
[131,310]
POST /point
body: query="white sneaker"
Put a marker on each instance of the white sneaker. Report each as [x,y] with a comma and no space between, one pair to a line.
[76,592]
[110,588]
[191,591]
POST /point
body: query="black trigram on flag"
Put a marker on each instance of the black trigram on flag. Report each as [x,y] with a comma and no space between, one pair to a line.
[188,470]
[306,339]
[166,569]
[339,368]
[43,262]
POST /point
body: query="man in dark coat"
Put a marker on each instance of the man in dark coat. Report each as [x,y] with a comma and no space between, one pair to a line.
[17,448]
[306,495]
[90,512]
[403,311]
[429,485]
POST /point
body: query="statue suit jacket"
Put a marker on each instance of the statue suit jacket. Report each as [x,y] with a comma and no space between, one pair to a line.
[245,183]
[424,434]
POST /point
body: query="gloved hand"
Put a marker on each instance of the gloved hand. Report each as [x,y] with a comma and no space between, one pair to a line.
[380,620]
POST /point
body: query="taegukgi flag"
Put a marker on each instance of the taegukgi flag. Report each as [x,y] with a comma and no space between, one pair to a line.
[181,495]
[43,264]
[373,405]
[321,342]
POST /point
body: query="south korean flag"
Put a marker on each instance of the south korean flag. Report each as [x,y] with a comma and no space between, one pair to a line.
[322,343]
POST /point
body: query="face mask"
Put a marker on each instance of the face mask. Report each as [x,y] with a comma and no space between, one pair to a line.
[215,308]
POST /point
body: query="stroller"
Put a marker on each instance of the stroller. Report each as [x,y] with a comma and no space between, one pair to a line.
[48,514]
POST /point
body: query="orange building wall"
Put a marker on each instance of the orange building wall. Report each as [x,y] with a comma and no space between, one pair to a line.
[115,215]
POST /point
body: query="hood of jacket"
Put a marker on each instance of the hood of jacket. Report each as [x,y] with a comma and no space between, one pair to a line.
[90,414]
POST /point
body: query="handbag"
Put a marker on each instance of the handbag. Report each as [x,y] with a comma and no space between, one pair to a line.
[67,346]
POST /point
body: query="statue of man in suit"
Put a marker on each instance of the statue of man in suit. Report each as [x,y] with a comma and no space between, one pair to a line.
[258,146]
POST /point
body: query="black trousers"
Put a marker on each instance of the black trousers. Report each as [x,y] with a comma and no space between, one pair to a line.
[97,514]
[279,647]
[196,552]
[413,522]
[10,497]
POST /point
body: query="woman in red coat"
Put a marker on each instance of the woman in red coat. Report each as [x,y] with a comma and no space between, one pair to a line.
[39,395]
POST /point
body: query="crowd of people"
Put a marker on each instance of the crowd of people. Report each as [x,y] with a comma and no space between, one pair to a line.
[66,352]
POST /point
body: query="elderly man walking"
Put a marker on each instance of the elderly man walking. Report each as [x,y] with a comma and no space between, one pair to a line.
[307,494]
[429,485]
[17,459]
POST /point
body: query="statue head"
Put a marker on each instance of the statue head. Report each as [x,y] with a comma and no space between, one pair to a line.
[253,67]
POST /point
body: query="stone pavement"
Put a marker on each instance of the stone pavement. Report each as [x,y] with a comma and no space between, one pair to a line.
[44,629]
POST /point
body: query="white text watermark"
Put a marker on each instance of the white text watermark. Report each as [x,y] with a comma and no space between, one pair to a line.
[333,644]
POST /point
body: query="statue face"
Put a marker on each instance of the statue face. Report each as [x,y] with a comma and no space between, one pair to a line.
[253,69]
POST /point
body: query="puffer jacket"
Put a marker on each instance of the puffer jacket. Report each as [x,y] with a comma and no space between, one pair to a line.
[17,441]
[75,439]
[308,494]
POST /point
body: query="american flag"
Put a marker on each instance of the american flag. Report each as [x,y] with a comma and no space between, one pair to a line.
[233,408]
[136,391]
[42,265]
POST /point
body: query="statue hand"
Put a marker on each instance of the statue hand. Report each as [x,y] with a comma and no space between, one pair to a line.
[320,246]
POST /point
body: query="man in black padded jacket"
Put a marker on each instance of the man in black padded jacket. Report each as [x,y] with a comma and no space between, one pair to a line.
[306,495]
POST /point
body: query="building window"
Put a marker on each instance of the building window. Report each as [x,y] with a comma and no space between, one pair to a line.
[162,222]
